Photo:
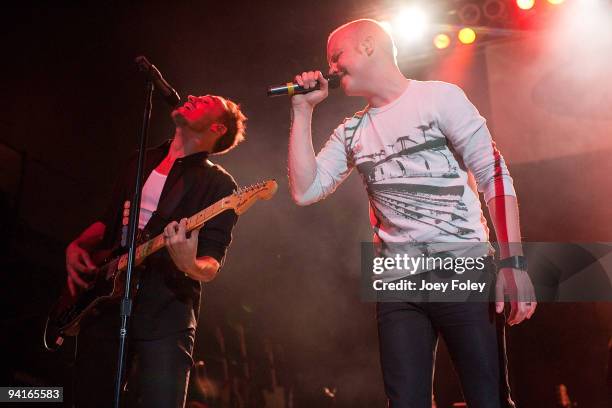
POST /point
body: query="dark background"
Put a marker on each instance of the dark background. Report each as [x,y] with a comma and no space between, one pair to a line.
[71,111]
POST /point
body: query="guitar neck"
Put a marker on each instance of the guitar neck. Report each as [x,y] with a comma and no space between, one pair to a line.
[157,243]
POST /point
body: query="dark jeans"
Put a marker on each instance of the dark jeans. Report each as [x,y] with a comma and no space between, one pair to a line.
[474,335]
[158,370]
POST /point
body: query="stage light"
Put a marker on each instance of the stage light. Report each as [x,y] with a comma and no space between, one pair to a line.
[467,35]
[441,41]
[555,2]
[494,10]
[469,14]
[525,4]
[410,24]
[387,26]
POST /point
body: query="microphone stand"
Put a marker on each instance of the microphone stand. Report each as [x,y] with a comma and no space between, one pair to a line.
[126,302]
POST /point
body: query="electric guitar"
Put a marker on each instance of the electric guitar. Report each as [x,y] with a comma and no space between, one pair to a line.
[108,280]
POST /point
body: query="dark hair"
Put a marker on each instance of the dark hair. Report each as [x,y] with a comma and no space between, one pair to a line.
[233,119]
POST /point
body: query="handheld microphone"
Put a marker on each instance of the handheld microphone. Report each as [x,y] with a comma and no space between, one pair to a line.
[171,97]
[293,88]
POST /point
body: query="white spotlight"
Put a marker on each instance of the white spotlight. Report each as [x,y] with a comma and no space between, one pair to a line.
[411,24]
[387,26]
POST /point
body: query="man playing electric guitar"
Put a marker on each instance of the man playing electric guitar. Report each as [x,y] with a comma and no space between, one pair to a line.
[179,182]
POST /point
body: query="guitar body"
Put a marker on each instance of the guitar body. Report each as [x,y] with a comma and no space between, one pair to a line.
[107,283]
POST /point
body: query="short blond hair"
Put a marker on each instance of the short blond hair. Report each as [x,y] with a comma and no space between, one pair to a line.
[369,26]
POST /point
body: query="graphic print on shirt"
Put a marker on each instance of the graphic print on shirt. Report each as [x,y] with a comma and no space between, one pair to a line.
[415,177]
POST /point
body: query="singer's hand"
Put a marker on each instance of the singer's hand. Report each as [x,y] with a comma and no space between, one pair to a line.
[309,80]
[517,285]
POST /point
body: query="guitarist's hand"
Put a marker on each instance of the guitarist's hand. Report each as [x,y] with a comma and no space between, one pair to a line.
[183,252]
[182,249]
[78,262]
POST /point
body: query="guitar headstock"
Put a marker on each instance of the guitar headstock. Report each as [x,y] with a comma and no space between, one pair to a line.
[245,197]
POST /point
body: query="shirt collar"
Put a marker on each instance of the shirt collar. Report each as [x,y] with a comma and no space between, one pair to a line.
[191,160]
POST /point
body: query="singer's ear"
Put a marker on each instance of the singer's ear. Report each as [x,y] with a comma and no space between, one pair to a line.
[368,45]
[218,128]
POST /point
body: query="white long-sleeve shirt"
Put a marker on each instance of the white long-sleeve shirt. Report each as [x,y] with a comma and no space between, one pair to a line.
[414,156]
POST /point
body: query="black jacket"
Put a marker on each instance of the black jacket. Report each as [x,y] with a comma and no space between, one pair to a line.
[167,301]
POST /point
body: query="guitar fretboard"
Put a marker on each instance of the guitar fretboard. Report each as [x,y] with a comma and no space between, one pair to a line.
[157,243]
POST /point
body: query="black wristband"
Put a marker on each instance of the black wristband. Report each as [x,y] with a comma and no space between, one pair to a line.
[514,262]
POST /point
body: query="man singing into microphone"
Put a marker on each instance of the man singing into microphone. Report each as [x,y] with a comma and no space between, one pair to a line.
[180,181]
[415,145]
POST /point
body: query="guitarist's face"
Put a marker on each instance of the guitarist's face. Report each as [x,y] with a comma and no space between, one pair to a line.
[199,114]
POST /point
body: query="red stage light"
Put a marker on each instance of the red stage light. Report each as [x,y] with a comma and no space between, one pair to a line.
[555,2]
[494,10]
[469,14]
[525,4]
